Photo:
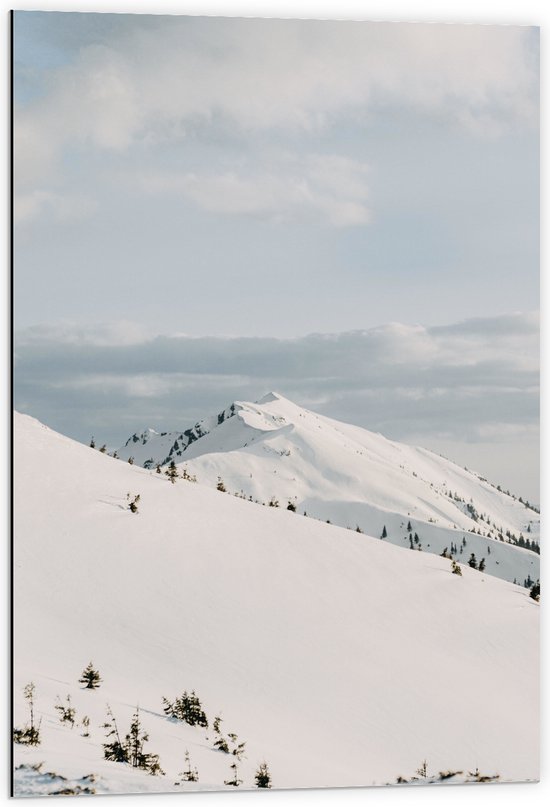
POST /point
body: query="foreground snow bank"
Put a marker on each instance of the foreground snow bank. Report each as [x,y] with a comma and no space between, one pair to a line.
[339,659]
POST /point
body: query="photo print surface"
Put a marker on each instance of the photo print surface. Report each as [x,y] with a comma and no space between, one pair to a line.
[276,439]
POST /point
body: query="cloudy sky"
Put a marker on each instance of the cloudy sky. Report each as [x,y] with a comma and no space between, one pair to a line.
[346,212]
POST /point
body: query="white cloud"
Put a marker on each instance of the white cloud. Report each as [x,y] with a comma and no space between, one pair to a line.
[329,188]
[464,380]
[58,207]
[148,81]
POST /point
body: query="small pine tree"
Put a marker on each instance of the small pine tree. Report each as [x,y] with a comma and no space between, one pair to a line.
[472,561]
[103,449]
[292,507]
[262,776]
[220,743]
[273,502]
[67,712]
[30,734]
[384,532]
[234,781]
[130,460]
[409,527]
[131,749]
[158,469]
[92,443]
[220,486]
[114,751]
[535,591]
[456,568]
[423,770]
[134,504]
[481,566]
[238,748]
[172,472]
[411,545]
[187,708]
[90,677]
[189,774]
[85,723]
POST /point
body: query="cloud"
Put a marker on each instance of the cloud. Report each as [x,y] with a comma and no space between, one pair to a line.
[53,207]
[328,188]
[156,78]
[473,381]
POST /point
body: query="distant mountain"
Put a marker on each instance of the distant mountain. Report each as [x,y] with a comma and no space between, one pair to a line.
[338,658]
[276,451]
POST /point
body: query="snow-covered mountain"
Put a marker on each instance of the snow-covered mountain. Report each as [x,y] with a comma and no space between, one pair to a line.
[276,450]
[340,659]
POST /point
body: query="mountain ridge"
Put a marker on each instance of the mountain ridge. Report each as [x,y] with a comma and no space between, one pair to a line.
[273,450]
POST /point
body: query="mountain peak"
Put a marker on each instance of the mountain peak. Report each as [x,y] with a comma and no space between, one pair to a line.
[269,397]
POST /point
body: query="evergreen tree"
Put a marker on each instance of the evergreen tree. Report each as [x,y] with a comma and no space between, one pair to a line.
[85,723]
[220,743]
[411,545]
[384,532]
[92,443]
[292,507]
[131,749]
[189,774]
[158,469]
[481,566]
[130,460]
[186,708]
[456,568]
[66,711]
[30,734]
[262,777]
[472,562]
[114,750]
[220,486]
[90,677]
[134,504]
[238,748]
[409,527]
[103,449]
[535,591]
[172,472]
[234,781]
[423,770]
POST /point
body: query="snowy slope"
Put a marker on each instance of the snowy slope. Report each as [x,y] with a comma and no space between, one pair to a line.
[354,478]
[340,659]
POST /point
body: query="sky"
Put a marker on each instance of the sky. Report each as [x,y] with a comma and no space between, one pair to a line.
[345,212]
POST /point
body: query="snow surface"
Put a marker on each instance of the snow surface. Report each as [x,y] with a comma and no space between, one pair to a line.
[352,477]
[340,659]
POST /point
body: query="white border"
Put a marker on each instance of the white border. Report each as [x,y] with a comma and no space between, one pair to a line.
[526,12]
